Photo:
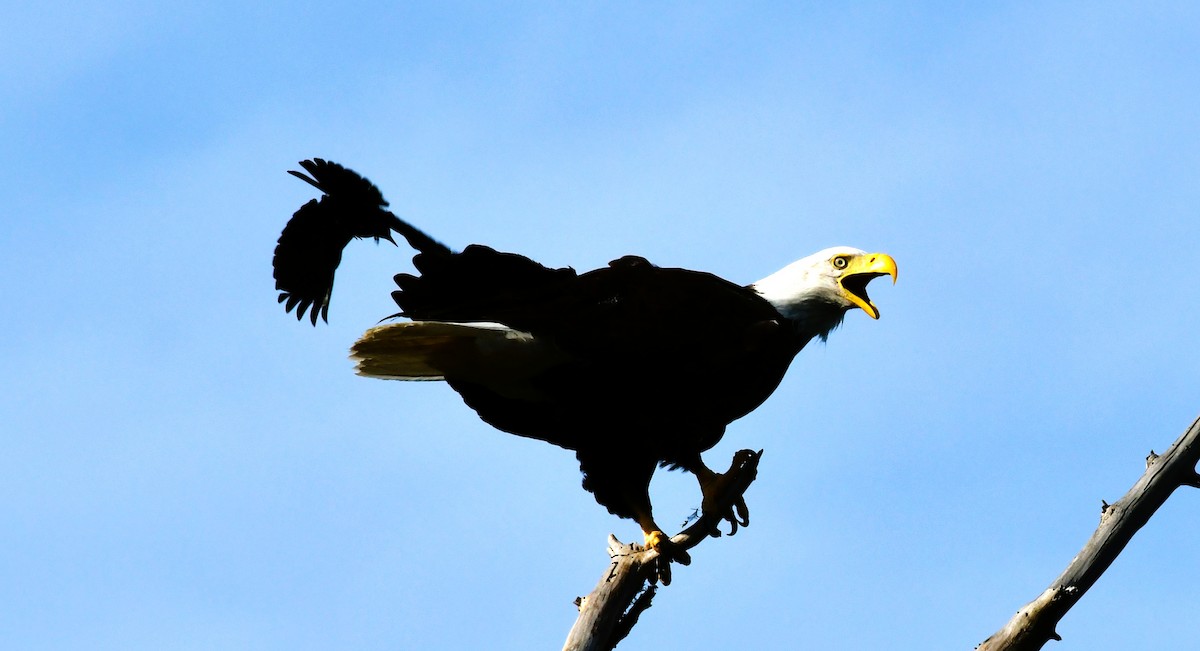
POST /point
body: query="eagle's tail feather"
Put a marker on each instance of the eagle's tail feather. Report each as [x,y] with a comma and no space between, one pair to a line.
[482,353]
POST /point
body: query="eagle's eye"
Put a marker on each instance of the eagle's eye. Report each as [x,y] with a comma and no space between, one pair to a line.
[841,261]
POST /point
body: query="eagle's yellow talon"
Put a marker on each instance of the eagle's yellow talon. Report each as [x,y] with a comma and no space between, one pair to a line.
[666,548]
[668,552]
[713,486]
[655,540]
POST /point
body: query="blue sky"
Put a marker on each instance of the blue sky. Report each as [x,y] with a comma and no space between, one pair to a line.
[183,466]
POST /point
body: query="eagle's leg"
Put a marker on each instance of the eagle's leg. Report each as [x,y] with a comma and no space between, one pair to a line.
[621,482]
[714,485]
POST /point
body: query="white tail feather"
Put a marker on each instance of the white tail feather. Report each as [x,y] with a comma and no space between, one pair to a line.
[491,354]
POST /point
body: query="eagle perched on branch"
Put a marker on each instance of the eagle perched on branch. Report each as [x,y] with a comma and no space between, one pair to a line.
[631,366]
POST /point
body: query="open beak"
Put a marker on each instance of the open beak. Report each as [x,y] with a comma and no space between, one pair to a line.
[860,271]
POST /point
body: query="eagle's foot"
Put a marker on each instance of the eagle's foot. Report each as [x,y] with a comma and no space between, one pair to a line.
[668,552]
[716,487]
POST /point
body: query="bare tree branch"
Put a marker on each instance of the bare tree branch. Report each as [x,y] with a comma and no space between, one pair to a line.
[1035,623]
[628,585]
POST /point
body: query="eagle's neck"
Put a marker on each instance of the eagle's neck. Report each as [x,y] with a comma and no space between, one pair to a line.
[812,318]
[805,297]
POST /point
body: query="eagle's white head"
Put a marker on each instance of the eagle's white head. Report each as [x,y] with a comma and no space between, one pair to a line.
[816,292]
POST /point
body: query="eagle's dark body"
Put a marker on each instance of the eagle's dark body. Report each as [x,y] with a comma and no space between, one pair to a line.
[635,392]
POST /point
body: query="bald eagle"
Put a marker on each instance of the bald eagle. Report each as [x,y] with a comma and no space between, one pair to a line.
[631,366]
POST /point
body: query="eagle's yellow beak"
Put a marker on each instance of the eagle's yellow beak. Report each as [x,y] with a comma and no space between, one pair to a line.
[859,271]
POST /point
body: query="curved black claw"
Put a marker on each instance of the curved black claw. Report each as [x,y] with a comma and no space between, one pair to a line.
[737,514]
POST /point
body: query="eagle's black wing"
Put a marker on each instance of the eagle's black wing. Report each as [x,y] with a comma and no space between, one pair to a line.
[310,247]
[482,284]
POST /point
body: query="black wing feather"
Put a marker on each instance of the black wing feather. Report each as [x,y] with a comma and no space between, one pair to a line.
[310,247]
[479,284]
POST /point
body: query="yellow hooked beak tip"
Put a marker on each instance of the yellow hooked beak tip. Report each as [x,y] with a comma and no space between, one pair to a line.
[860,270]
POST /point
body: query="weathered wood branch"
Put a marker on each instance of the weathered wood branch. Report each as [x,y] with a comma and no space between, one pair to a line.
[1035,623]
[628,585]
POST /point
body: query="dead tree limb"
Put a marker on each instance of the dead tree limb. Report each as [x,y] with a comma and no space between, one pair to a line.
[628,585]
[1035,623]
